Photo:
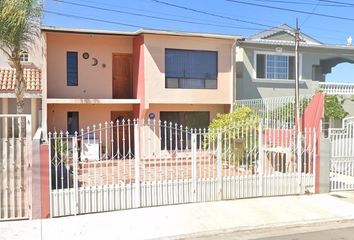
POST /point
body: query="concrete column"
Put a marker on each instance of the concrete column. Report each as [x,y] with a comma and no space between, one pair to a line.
[324,165]
[34,114]
[5,110]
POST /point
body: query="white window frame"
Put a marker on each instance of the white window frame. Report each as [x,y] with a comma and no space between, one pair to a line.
[28,56]
[279,54]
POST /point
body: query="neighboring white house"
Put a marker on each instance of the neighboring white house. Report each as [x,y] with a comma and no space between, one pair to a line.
[32,62]
[266,64]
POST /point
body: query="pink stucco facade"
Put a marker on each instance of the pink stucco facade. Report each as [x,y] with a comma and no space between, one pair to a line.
[93,94]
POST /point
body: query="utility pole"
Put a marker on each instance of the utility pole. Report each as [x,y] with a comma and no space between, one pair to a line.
[297,76]
[297,106]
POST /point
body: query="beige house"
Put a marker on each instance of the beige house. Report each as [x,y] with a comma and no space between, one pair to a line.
[32,63]
[90,77]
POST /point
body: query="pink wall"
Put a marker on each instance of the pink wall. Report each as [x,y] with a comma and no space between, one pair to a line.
[94,82]
[311,119]
[138,76]
[45,181]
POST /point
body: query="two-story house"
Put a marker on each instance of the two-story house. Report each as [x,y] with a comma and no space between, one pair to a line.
[96,76]
[266,63]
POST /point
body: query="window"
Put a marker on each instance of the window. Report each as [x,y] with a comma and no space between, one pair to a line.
[24,57]
[73,122]
[71,69]
[271,66]
[198,120]
[191,69]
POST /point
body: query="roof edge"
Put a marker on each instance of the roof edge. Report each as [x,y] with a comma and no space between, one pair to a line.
[138,32]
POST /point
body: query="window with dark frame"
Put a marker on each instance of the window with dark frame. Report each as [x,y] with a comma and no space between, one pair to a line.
[71,69]
[191,69]
[277,67]
[197,120]
[73,122]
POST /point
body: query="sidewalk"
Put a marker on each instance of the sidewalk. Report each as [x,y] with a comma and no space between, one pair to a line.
[187,219]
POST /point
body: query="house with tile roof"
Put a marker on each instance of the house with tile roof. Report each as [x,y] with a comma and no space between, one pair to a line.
[265,64]
[32,63]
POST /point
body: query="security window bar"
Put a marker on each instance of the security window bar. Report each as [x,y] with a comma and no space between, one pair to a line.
[190,69]
[72,69]
[277,67]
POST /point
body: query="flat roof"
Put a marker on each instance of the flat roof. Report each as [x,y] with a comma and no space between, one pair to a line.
[138,32]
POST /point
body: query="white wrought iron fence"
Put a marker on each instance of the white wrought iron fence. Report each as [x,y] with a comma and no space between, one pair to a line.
[129,164]
[337,88]
[342,156]
[279,110]
[15,165]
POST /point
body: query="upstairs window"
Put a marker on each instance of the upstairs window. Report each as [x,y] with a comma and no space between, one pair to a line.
[191,69]
[71,69]
[277,67]
[24,57]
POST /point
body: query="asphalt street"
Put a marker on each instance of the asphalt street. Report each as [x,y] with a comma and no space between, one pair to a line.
[323,231]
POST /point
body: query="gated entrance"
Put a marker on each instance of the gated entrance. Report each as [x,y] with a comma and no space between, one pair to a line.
[342,156]
[130,164]
[15,165]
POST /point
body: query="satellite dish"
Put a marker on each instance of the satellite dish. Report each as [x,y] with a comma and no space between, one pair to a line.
[95,61]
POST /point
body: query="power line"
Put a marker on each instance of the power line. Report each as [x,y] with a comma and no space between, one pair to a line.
[338,2]
[274,29]
[312,12]
[151,16]
[301,3]
[211,14]
[291,10]
[92,19]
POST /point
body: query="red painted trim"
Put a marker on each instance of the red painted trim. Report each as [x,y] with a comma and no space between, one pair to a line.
[139,76]
[45,197]
[311,119]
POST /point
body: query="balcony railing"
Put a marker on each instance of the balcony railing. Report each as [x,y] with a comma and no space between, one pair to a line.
[337,88]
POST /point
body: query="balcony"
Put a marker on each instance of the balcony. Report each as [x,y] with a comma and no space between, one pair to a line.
[337,88]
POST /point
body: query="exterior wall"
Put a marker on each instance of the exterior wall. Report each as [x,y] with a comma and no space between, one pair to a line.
[93,81]
[249,88]
[138,75]
[348,106]
[89,114]
[155,91]
[35,56]
[152,134]
[157,108]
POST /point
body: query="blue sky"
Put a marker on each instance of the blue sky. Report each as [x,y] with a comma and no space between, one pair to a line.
[161,16]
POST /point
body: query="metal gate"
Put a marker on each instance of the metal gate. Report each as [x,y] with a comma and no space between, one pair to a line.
[130,164]
[342,156]
[15,165]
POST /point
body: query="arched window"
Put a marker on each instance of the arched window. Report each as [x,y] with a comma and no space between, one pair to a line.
[24,57]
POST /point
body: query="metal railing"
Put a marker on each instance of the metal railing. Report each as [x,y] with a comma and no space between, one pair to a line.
[337,88]
[277,109]
[130,164]
[342,156]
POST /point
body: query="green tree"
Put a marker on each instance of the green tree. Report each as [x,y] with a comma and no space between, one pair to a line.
[20,22]
[333,108]
[239,131]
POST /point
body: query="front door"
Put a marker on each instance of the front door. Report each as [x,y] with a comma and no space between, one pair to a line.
[122,75]
[122,134]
